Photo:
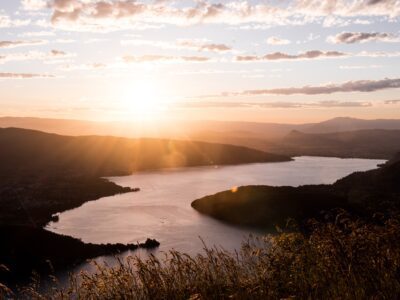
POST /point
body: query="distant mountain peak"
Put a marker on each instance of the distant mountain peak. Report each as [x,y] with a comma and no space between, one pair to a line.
[342,124]
[342,119]
[295,132]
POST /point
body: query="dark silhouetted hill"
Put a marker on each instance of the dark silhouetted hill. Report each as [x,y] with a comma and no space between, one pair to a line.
[362,193]
[32,152]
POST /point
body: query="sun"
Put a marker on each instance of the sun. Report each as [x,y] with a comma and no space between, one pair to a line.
[143,101]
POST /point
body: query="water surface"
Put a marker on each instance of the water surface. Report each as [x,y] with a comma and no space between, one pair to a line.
[162,210]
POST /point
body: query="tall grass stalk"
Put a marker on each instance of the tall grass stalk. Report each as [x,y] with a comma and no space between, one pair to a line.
[346,259]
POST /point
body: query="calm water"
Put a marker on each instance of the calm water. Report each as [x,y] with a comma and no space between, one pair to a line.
[162,210]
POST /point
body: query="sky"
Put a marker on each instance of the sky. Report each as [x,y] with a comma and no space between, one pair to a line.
[262,61]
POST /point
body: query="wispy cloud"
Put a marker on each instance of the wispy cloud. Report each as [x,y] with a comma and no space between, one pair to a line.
[359,67]
[362,37]
[64,41]
[203,45]
[314,54]
[163,58]
[397,101]
[14,44]
[90,15]
[350,86]
[273,40]
[33,4]
[378,54]
[23,75]
[7,22]
[90,66]
[35,55]
[37,33]
[193,44]
[272,104]
[348,8]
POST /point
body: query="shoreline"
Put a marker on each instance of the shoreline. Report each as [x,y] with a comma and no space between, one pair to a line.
[28,246]
[108,188]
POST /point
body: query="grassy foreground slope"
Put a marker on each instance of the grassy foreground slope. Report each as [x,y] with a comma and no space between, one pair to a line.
[340,258]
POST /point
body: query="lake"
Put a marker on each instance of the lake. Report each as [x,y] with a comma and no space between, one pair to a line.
[161,209]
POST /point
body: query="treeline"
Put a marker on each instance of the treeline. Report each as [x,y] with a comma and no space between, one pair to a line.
[361,193]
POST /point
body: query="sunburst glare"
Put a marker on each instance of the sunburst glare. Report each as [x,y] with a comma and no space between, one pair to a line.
[143,101]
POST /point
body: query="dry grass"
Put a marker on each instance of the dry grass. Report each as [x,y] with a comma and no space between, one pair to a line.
[346,259]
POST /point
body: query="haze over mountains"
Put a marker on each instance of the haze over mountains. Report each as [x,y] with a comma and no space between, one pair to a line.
[182,129]
[340,137]
[30,152]
[367,143]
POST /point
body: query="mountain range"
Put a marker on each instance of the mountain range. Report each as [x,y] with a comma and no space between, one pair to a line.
[184,129]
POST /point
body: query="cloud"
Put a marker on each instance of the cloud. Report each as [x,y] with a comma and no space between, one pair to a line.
[23,75]
[306,55]
[13,44]
[163,58]
[332,21]
[272,104]
[392,101]
[334,103]
[7,22]
[57,53]
[313,54]
[249,58]
[358,67]
[273,40]
[64,41]
[201,45]
[246,72]
[350,86]
[33,4]
[378,54]
[91,66]
[35,55]
[348,8]
[38,33]
[152,43]
[362,37]
[112,15]
[193,44]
